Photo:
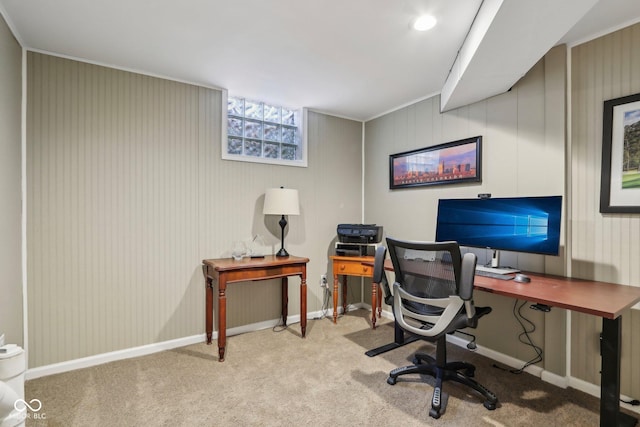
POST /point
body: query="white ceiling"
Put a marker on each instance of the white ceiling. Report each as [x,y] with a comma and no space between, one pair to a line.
[351,58]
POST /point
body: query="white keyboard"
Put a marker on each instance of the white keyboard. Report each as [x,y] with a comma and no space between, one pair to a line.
[496,270]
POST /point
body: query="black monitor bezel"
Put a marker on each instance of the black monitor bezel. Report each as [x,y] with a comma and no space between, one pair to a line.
[508,249]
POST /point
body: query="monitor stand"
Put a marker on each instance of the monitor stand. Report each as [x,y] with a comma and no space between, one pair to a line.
[495,265]
[495,259]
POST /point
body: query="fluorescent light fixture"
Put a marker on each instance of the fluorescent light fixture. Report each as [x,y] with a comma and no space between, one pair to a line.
[424,23]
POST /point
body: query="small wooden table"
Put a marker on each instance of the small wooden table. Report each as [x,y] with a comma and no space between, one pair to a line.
[360,266]
[227,270]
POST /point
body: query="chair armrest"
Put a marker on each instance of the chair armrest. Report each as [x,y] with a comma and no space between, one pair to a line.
[379,276]
[378,264]
[467,275]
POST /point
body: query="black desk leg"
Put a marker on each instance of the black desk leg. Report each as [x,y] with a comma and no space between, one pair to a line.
[398,341]
[610,414]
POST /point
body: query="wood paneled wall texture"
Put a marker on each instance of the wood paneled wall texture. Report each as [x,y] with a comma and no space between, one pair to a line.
[523,150]
[127,193]
[605,247]
[524,153]
[11,316]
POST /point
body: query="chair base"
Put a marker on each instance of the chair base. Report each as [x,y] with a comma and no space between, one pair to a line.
[460,372]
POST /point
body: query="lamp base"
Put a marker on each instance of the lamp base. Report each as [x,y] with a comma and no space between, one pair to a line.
[282,253]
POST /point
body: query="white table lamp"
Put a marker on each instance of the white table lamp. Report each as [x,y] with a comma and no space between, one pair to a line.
[281,201]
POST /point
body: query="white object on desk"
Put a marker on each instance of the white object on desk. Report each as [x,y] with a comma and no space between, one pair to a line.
[497,270]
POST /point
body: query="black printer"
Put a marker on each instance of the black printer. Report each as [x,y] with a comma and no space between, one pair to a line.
[358,239]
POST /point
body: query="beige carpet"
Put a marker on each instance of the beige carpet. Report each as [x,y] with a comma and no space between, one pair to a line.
[278,379]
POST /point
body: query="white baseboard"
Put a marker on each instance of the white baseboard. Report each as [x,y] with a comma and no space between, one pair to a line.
[497,356]
[546,376]
[586,387]
[594,390]
[98,359]
[558,380]
[501,358]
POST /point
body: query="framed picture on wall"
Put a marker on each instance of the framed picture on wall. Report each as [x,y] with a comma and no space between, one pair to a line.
[449,163]
[620,176]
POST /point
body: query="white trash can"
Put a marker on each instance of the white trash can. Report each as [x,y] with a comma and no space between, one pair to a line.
[13,411]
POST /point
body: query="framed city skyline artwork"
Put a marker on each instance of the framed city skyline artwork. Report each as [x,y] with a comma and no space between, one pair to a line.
[448,163]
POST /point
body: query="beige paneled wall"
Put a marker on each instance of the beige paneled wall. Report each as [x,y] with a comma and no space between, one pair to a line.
[127,193]
[11,323]
[604,246]
[523,155]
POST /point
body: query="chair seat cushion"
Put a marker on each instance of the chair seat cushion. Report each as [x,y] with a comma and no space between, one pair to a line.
[461,321]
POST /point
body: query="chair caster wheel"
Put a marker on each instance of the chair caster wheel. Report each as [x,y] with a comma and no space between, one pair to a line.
[434,413]
[391,381]
[489,405]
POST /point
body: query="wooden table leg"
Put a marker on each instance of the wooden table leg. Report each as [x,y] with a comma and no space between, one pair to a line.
[222,316]
[285,300]
[208,324]
[379,301]
[374,303]
[344,295]
[335,298]
[303,302]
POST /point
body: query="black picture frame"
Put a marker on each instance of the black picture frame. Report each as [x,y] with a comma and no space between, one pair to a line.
[619,184]
[449,163]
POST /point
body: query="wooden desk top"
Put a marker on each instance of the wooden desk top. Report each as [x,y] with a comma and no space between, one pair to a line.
[602,299]
[229,264]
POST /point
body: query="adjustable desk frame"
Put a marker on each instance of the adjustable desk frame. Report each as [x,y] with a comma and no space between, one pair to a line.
[606,300]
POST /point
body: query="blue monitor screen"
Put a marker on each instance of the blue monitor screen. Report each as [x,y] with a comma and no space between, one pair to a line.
[519,224]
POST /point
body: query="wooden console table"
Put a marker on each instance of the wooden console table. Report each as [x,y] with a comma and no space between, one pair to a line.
[227,270]
[359,266]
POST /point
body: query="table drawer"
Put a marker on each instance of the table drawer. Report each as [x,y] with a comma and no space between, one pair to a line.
[352,269]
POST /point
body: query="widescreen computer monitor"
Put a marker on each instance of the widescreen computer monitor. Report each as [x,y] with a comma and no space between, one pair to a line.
[519,224]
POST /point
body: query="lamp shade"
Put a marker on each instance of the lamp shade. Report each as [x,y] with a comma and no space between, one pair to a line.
[281,201]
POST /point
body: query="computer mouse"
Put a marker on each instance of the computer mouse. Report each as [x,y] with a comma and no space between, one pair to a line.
[521,278]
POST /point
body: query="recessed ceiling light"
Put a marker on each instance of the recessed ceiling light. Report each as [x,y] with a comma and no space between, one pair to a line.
[424,23]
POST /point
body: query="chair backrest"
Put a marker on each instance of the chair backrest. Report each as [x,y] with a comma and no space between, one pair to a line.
[433,287]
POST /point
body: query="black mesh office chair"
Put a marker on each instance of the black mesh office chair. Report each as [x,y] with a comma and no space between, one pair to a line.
[433,297]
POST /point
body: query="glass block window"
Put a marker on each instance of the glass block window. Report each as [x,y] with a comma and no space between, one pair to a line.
[262,132]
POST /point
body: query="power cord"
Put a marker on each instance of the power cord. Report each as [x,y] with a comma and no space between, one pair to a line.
[518,315]
[524,338]
[279,327]
[324,310]
[349,295]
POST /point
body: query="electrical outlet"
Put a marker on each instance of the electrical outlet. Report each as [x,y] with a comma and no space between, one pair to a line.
[323,281]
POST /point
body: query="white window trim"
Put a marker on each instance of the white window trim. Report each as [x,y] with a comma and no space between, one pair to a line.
[240,158]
